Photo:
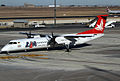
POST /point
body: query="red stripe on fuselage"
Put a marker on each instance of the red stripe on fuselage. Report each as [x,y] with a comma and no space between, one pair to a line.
[31,45]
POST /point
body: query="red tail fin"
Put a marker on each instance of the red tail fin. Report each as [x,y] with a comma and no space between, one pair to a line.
[99,27]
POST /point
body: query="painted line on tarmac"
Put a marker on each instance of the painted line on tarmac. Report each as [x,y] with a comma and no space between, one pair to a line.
[8,57]
[22,55]
[31,55]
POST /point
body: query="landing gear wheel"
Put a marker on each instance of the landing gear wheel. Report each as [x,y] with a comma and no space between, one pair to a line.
[67,48]
[7,53]
[25,50]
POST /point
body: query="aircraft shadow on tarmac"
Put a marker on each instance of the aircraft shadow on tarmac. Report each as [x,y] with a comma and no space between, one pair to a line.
[114,56]
[102,73]
[52,49]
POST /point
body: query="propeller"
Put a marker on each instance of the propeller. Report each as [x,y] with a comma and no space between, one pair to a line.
[29,35]
[52,41]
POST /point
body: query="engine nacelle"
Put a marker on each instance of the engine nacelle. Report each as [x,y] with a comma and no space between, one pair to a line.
[62,40]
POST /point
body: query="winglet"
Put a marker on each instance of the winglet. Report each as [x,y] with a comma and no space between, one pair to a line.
[99,27]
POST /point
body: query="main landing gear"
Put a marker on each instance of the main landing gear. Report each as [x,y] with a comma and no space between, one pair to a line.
[67,48]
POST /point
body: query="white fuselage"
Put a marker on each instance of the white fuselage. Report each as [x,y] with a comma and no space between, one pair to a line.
[36,41]
[42,42]
[109,24]
[114,11]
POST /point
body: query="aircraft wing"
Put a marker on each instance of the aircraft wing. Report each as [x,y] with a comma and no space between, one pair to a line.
[77,36]
[33,34]
[72,37]
[29,33]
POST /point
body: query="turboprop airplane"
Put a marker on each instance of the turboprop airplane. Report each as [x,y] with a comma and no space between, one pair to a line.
[113,11]
[37,41]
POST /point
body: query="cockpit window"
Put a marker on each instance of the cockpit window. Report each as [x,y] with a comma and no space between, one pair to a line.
[12,42]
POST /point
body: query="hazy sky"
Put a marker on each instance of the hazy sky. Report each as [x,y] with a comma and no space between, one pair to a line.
[61,2]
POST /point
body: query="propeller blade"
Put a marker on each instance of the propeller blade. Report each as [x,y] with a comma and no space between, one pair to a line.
[52,41]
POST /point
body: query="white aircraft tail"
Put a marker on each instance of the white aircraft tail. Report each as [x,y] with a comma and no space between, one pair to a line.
[108,10]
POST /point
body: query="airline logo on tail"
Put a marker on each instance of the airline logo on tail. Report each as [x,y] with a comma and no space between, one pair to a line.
[100,27]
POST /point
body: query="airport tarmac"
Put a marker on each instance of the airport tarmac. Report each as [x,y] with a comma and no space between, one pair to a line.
[97,60]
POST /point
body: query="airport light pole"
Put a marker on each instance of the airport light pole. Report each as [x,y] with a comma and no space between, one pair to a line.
[54,12]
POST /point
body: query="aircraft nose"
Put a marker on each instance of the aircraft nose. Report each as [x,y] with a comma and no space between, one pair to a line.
[5,48]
